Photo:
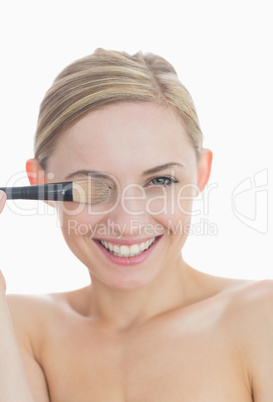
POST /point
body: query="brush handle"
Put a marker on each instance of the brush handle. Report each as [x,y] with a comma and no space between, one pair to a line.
[46,192]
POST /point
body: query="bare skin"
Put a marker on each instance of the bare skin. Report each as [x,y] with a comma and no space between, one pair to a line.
[156,330]
[216,348]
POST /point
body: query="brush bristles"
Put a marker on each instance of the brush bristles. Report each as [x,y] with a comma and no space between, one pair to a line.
[91,191]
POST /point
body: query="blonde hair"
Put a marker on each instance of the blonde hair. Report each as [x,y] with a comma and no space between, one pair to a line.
[107,77]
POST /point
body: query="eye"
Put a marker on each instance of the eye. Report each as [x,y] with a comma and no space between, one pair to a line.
[161,181]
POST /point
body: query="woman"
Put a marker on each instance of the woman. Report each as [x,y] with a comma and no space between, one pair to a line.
[149,327]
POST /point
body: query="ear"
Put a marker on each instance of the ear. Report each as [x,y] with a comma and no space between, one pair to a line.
[36,175]
[203,168]
[35,172]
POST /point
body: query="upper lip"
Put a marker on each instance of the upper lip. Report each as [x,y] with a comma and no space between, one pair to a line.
[121,241]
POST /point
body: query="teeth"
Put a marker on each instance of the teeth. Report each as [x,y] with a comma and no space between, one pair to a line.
[127,251]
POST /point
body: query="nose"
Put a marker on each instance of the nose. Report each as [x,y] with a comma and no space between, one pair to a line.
[130,218]
[133,200]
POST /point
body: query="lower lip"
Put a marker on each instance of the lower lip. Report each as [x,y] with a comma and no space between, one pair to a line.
[137,259]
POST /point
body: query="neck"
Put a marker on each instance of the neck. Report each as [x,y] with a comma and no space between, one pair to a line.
[128,308]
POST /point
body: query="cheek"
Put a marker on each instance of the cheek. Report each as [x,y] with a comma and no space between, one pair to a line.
[77,219]
[174,212]
[172,202]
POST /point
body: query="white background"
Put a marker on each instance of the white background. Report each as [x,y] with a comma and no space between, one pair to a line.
[222,52]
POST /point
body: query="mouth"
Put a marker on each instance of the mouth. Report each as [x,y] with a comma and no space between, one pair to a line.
[129,250]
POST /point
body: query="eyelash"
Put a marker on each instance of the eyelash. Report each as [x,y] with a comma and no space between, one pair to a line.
[171,180]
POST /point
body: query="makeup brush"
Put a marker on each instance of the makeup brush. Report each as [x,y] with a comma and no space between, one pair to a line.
[91,191]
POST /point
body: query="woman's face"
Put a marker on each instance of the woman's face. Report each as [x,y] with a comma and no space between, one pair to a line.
[146,150]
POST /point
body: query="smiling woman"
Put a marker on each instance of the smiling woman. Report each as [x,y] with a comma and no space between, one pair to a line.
[149,326]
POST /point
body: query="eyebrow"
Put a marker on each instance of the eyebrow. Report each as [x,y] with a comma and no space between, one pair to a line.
[161,167]
[147,172]
[87,173]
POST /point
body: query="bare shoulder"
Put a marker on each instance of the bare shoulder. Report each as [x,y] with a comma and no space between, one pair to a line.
[252,305]
[30,314]
[35,313]
[31,317]
[252,298]
[246,302]
[245,306]
[239,293]
[27,307]
[249,320]
[37,319]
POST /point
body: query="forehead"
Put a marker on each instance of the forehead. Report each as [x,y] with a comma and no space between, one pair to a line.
[125,135]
